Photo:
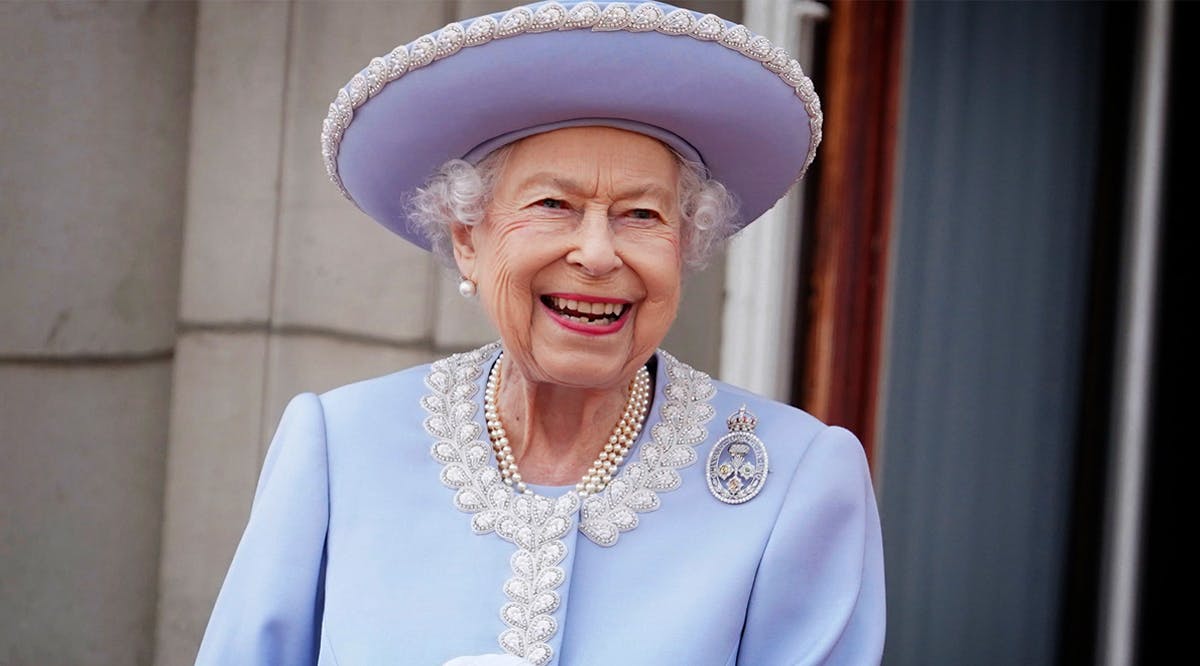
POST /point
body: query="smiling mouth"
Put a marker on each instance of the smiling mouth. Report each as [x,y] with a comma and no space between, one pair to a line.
[586,312]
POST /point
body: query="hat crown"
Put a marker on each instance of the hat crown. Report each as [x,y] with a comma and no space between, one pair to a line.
[648,29]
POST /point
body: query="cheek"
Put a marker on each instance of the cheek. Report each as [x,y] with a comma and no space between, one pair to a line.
[659,259]
[510,261]
[658,312]
[500,253]
[505,290]
[664,296]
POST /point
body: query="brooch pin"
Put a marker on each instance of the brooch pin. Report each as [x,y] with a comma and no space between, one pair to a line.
[737,464]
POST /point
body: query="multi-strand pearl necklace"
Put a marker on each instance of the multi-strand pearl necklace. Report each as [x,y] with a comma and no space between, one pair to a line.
[604,467]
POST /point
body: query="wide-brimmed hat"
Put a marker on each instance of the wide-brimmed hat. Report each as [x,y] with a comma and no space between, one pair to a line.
[708,88]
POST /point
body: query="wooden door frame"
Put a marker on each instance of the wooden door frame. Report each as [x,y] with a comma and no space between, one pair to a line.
[848,237]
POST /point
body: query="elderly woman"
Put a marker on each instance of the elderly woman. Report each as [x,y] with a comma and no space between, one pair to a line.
[571,494]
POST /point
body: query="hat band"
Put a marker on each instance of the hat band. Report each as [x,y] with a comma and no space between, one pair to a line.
[685,150]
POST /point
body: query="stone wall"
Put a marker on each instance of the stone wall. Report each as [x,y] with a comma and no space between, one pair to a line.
[93,153]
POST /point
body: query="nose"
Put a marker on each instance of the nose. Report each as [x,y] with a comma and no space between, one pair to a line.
[594,250]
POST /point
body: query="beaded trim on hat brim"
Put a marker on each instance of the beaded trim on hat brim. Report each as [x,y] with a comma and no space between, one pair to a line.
[553,16]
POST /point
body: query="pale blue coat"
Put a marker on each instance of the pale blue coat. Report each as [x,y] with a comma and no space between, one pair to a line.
[357,552]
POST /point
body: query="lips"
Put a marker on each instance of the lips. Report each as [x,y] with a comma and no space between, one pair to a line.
[586,310]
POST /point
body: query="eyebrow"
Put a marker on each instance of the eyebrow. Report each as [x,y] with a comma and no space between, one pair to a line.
[575,187]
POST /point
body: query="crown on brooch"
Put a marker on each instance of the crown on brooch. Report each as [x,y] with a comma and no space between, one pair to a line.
[742,421]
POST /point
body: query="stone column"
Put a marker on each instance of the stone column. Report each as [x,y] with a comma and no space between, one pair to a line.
[93,134]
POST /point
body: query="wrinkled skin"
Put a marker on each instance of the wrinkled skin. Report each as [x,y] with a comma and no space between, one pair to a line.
[587,211]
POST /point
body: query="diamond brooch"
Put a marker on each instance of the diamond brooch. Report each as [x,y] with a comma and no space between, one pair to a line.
[737,464]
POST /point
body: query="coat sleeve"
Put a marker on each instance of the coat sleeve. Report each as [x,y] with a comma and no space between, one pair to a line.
[269,608]
[818,596]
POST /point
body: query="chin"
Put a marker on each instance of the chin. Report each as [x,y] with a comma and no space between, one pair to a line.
[562,355]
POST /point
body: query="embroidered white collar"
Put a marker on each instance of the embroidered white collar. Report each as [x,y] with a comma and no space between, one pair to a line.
[537,524]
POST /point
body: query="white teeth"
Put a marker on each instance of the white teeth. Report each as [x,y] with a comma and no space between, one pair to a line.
[596,310]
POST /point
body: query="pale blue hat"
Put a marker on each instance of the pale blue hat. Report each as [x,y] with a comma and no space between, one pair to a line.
[708,88]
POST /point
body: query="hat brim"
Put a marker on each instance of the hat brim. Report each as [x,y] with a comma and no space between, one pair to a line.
[748,124]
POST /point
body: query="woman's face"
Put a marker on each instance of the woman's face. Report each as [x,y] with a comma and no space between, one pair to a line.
[578,259]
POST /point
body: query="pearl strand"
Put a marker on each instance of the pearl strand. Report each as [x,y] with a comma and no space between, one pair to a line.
[615,449]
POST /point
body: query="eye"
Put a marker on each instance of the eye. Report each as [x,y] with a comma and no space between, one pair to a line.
[549,202]
[644,214]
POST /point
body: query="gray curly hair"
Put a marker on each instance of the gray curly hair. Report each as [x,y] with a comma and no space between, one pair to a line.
[460,192]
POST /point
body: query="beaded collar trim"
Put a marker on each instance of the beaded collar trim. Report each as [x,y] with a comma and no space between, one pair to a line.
[597,17]
[537,524]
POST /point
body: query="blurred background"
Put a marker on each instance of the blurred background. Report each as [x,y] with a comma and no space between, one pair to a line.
[981,276]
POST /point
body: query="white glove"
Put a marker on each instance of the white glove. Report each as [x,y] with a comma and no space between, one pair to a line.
[488,660]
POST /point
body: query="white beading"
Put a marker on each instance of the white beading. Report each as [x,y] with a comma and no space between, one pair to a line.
[537,524]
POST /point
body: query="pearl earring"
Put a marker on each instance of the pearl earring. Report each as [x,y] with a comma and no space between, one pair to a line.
[466,287]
